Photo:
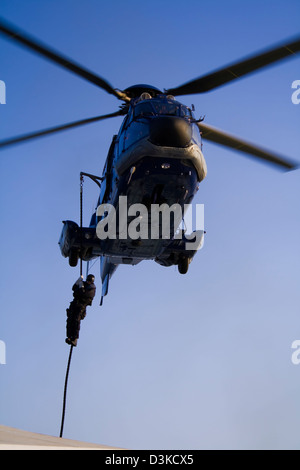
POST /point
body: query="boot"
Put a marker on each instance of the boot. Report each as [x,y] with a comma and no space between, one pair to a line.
[71,342]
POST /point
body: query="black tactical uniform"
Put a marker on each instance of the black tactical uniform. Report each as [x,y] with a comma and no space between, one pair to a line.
[83,292]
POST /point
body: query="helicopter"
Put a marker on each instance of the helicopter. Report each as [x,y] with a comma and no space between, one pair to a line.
[154,161]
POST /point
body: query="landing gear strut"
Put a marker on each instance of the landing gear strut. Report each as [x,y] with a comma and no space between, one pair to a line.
[73,257]
[183,265]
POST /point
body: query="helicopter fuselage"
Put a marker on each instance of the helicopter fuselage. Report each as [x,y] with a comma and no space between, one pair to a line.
[155,159]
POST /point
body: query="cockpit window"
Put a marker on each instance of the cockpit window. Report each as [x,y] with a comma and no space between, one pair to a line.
[166,107]
[161,107]
[143,109]
[186,112]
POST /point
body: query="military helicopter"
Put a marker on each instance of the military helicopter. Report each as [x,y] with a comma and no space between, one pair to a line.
[155,159]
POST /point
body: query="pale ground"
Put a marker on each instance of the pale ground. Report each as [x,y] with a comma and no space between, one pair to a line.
[15,439]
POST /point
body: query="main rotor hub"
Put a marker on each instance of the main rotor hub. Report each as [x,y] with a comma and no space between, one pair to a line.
[135,91]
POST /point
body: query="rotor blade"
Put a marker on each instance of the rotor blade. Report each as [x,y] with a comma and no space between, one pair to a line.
[35,45]
[53,130]
[236,70]
[222,138]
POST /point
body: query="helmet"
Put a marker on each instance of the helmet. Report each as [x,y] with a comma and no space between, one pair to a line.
[90,278]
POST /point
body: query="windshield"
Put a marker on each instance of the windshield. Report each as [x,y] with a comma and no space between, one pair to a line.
[144,109]
[163,107]
[166,107]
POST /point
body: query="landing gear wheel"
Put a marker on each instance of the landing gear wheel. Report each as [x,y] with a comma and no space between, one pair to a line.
[183,265]
[73,258]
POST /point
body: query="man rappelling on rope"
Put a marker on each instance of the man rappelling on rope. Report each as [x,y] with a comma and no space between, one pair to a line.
[83,292]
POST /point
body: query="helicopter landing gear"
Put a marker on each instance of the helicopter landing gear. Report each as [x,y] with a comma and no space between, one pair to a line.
[73,257]
[183,265]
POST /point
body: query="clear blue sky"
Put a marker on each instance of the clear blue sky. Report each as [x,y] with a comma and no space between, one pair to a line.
[169,361]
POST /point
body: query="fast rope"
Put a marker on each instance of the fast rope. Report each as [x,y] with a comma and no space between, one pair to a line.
[71,348]
[98,181]
[65,393]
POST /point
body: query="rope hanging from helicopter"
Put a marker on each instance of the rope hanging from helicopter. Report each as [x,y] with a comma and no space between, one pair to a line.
[98,181]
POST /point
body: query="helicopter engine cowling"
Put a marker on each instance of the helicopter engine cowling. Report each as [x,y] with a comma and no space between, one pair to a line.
[170,131]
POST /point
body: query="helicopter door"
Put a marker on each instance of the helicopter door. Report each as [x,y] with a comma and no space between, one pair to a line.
[107,173]
[122,135]
[102,191]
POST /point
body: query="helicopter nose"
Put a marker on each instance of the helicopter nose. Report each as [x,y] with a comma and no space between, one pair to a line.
[170,131]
